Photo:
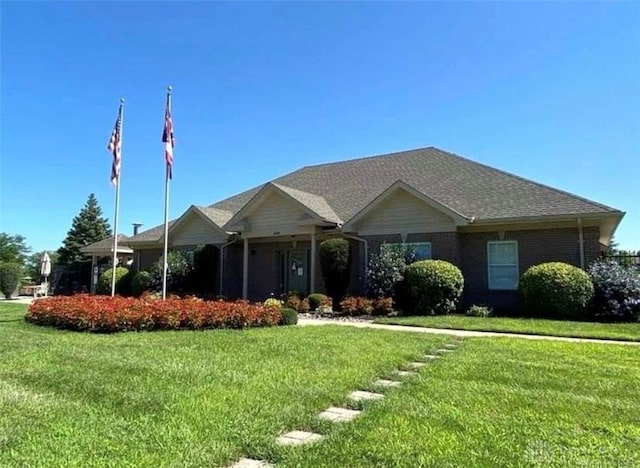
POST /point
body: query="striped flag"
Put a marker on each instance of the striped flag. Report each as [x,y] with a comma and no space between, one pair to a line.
[115,148]
[167,138]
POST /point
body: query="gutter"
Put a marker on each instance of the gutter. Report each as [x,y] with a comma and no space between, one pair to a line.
[221,269]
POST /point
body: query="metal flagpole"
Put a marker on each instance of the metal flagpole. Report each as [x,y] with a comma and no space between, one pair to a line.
[166,203]
[117,203]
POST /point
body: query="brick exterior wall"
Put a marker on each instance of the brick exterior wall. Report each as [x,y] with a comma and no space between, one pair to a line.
[534,247]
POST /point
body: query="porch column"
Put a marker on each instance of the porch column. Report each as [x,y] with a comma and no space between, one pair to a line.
[245,270]
[93,274]
[313,262]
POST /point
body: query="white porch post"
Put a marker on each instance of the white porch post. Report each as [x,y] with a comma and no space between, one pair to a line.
[93,274]
[313,261]
[245,270]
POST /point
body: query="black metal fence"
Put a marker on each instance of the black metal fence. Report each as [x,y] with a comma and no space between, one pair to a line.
[626,259]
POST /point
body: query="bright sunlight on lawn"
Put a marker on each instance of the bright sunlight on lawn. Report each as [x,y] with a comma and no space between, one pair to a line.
[610,331]
[207,398]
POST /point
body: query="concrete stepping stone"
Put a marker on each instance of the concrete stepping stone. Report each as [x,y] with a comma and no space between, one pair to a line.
[406,373]
[298,438]
[335,414]
[359,395]
[445,350]
[387,383]
[251,463]
[416,364]
[451,346]
[430,356]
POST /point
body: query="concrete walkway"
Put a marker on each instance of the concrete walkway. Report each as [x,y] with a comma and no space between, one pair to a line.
[18,300]
[461,333]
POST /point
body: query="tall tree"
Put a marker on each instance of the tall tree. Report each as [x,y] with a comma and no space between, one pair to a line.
[13,249]
[88,226]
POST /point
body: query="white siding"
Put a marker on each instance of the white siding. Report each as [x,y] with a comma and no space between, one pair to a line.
[275,215]
[401,212]
[196,231]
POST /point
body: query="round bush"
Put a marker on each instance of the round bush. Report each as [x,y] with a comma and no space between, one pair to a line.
[9,278]
[273,302]
[316,300]
[616,291]
[122,278]
[556,290]
[289,316]
[433,286]
[140,283]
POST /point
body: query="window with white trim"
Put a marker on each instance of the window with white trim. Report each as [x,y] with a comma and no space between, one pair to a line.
[420,250]
[502,261]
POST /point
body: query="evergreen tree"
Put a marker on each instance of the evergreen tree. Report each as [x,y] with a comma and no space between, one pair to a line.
[13,248]
[88,226]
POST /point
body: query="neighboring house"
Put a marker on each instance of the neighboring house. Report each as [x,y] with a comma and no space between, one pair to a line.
[491,224]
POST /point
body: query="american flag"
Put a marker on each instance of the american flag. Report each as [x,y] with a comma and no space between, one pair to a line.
[167,139]
[115,148]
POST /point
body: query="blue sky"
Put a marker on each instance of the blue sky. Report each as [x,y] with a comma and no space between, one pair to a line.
[549,91]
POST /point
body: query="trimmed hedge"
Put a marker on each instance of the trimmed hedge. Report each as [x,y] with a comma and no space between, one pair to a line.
[289,316]
[106,314]
[353,305]
[140,283]
[123,282]
[556,290]
[433,287]
[318,299]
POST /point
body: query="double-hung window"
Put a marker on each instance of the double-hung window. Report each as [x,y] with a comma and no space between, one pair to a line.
[502,261]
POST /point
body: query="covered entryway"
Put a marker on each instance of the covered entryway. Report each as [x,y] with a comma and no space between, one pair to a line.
[294,271]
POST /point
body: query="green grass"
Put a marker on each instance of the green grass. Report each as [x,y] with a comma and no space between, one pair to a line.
[606,331]
[207,398]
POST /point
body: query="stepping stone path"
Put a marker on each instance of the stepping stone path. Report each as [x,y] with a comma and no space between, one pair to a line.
[430,356]
[451,346]
[298,438]
[336,414]
[406,373]
[251,463]
[416,364]
[446,350]
[359,395]
[387,383]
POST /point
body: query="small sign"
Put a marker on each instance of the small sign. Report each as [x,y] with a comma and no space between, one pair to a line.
[300,272]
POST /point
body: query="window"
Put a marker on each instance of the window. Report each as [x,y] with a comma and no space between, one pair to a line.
[420,250]
[502,260]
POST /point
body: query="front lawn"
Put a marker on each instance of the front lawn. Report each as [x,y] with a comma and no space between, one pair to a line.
[206,398]
[179,398]
[607,331]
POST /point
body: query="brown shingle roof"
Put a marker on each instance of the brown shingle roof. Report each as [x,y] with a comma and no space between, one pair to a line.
[474,190]
[107,245]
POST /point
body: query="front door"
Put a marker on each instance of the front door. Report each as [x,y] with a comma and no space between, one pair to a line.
[297,271]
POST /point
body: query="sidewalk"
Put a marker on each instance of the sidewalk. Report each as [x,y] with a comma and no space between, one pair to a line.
[18,300]
[461,333]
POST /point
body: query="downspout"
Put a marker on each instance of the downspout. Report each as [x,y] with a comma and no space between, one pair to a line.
[366,252]
[221,269]
[581,242]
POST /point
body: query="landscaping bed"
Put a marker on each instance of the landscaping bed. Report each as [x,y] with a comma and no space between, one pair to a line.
[605,331]
[107,314]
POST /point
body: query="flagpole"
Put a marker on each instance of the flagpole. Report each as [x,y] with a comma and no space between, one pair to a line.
[117,206]
[166,213]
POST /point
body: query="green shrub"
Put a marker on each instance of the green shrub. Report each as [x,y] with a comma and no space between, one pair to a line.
[479,311]
[205,266]
[289,316]
[433,287]
[317,299]
[123,282]
[10,274]
[140,283]
[335,265]
[556,290]
[352,305]
[179,273]
[616,295]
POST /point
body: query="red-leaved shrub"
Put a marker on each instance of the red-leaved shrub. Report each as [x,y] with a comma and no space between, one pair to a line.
[107,314]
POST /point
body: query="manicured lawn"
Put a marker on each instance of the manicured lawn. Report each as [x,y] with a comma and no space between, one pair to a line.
[208,398]
[610,331]
[175,398]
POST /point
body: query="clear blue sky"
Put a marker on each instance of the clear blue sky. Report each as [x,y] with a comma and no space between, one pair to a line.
[549,91]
